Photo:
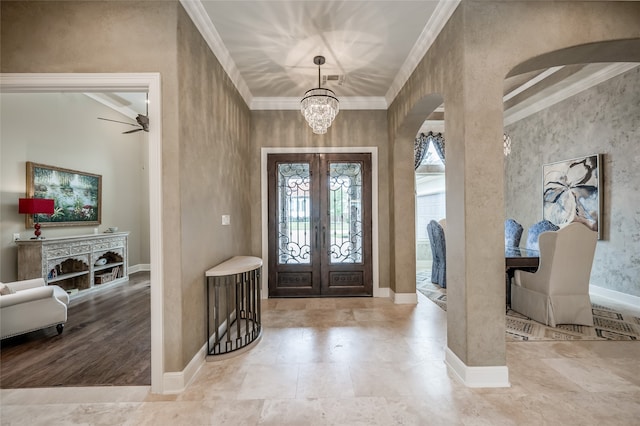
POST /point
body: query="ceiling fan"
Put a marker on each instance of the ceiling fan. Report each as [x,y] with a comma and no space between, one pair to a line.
[142,120]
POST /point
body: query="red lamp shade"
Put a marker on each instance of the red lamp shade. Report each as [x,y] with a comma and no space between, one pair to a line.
[35,206]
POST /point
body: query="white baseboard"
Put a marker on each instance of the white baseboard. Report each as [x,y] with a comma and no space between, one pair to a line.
[382,292]
[477,377]
[403,298]
[139,267]
[616,296]
[177,381]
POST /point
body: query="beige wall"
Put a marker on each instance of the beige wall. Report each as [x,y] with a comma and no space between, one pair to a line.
[288,129]
[197,158]
[467,64]
[62,130]
[213,173]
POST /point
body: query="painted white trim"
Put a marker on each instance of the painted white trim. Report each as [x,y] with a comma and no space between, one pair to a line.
[114,82]
[264,197]
[616,296]
[436,23]
[346,103]
[477,377]
[403,298]
[196,11]
[384,292]
[176,382]
[156,242]
[139,268]
[63,82]
[518,112]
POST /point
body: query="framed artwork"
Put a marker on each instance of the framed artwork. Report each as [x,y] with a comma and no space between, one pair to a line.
[571,191]
[77,195]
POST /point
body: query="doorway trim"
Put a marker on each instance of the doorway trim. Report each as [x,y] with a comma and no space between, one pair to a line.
[264,198]
[111,82]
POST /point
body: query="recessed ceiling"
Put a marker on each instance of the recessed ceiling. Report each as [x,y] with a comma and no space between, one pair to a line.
[371,48]
[273,42]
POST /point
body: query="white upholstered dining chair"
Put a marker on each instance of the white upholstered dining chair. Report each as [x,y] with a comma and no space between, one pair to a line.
[558,292]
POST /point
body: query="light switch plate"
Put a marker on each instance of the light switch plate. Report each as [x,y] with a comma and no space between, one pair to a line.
[226,219]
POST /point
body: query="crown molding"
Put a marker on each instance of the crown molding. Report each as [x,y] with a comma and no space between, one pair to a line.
[519,112]
[346,103]
[436,23]
[201,20]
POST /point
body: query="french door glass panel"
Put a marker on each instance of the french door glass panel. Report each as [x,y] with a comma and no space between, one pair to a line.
[345,212]
[294,213]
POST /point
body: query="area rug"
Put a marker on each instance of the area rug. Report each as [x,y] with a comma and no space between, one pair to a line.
[610,322]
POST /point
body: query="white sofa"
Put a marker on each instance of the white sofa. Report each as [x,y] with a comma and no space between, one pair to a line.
[30,305]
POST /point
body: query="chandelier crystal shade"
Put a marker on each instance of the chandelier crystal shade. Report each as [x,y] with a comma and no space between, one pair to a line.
[506,144]
[319,106]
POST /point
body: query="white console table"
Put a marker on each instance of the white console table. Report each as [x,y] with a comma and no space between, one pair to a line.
[74,263]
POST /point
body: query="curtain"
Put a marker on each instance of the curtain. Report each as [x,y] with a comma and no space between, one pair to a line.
[421,145]
[438,144]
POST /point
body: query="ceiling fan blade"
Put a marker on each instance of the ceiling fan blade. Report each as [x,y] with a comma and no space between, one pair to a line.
[132,131]
[116,121]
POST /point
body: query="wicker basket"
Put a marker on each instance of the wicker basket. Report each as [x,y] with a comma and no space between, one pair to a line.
[106,277]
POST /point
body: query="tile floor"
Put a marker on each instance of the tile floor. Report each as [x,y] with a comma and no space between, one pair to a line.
[357,361]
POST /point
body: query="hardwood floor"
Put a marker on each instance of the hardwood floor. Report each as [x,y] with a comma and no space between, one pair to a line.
[106,341]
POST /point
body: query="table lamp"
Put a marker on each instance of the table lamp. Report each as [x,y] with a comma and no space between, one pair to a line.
[36,206]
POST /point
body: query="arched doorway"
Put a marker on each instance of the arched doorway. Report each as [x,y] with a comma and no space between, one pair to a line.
[467,63]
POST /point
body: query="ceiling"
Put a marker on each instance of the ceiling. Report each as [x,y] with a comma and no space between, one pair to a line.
[371,48]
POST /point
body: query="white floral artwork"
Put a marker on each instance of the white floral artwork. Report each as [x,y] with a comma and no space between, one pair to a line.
[571,192]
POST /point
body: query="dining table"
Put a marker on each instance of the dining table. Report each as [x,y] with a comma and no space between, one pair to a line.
[518,258]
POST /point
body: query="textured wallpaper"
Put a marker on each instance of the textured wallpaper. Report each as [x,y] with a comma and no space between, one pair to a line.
[602,120]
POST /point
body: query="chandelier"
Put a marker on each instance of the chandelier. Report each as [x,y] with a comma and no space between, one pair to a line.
[319,106]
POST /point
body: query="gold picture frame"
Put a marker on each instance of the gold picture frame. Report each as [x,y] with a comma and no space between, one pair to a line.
[77,195]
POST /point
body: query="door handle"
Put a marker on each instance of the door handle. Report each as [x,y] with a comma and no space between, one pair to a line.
[324,236]
[315,244]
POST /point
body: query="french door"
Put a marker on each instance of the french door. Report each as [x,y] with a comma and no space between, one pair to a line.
[319,225]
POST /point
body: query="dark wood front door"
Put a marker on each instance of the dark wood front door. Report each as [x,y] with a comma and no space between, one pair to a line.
[320,225]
